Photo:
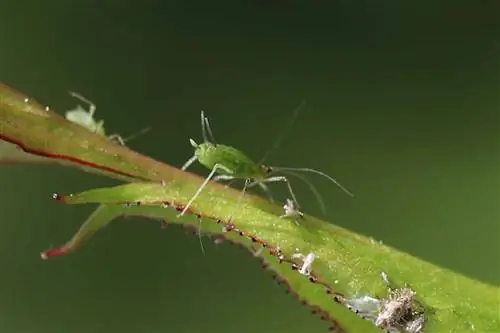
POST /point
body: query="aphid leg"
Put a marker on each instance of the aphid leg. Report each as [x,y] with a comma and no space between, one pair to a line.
[99,127]
[223,177]
[189,162]
[205,182]
[135,135]
[92,106]
[199,237]
[267,191]
[313,189]
[117,138]
[283,179]
[264,188]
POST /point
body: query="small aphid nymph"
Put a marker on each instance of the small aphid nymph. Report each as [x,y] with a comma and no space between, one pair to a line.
[85,118]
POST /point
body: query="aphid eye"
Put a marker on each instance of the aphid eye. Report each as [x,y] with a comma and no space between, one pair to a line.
[267,169]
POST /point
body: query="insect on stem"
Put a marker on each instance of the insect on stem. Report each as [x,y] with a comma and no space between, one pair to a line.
[85,118]
[228,163]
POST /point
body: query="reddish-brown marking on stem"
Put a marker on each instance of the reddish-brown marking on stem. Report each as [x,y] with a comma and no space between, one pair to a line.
[68,159]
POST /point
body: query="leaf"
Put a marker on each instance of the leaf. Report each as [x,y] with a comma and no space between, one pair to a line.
[353,261]
[346,264]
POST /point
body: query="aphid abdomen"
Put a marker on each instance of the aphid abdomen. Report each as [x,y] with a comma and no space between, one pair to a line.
[209,154]
[80,116]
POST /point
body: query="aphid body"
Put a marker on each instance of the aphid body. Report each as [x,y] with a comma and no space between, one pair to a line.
[85,118]
[236,163]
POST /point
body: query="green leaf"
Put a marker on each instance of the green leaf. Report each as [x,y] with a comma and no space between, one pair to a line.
[347,264]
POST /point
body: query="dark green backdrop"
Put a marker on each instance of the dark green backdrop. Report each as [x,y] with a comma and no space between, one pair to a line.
[403,103]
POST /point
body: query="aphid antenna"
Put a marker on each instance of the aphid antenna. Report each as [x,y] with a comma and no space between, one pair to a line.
[280,138]
[91,105]
[205,128]
[138,133]
[261,184]
[330,178]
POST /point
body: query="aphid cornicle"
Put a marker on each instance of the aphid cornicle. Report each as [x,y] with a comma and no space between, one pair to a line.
[85,118]
[230,163]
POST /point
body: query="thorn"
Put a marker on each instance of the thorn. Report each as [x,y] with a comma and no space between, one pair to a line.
[57,197]
[52,253]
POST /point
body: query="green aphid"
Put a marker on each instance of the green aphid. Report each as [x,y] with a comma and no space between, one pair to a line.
[85,118]
[229,163]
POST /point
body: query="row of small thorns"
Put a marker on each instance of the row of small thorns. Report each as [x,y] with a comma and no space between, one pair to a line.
[396,312]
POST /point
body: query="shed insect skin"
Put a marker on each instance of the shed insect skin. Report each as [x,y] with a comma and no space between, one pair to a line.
[409,314]
[229,163]
[395,307]
[290,211]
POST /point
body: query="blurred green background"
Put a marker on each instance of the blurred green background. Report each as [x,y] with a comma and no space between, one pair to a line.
[402,107]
